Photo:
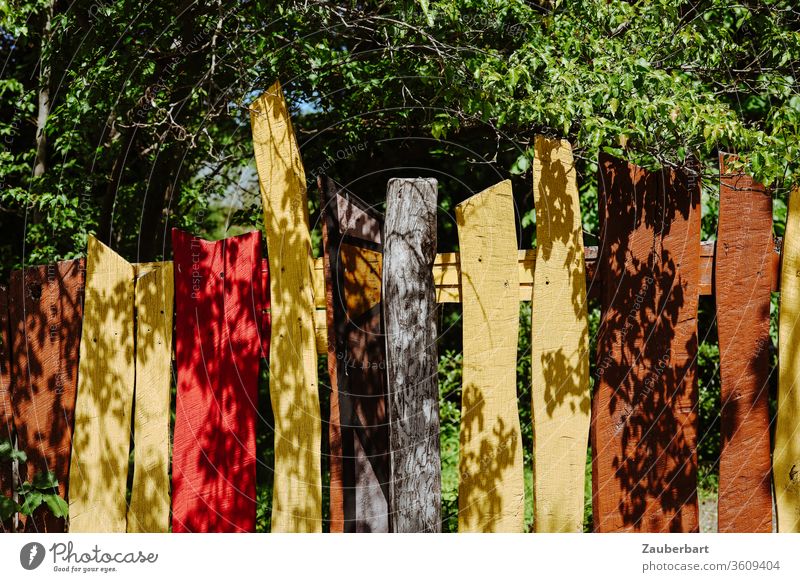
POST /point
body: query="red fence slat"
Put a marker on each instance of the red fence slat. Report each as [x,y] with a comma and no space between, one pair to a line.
[219,309]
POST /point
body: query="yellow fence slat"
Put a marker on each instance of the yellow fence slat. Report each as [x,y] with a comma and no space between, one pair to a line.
[559,344]
[297,495]
[786,455]
[491,495]
[150,500]
[101,441]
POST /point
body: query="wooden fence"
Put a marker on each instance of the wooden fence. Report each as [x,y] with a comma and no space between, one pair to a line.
[87,348]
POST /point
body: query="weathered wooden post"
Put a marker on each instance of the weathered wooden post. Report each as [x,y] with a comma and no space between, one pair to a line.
[742,278]
[559,343]
[410,319]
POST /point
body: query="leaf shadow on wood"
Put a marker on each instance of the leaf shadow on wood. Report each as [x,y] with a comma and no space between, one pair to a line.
[294,387]
[102,435]
[218,339]
[359,429]
[45,311]
[645,409]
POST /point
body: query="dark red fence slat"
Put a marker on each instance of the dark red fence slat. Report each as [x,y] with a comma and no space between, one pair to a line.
[644,415]
[359,433]
[6,409]
[219,310]
[743,280]
[46,311]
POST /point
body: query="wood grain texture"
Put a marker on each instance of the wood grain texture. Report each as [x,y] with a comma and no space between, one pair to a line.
[46,310]
[491,489]
[6,408]
[644,415]
[148,511]
[101,441]
[559,343]
[358,433]
[219,302]
[786,453]
[297,496]
[744,247]
[409,312]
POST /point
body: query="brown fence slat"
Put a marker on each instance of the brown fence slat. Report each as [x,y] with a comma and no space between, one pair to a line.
[359,433]
[744,248]
[46,309]
[410,318]
[644,418]
[6,409]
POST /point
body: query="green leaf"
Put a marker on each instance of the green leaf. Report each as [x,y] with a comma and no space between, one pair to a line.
[521,165]
[57,505]
[45,481]
[8,507]
[426,10]
[32,501]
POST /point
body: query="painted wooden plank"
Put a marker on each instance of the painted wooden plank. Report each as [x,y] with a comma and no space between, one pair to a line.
[644,416]
[409,311]
[6,408]
[219,307]
[148,511]
[786,453]
[297,496]
[744,246]
[560,343]
[46,309]
[359,433]
[491,490]
[101,439]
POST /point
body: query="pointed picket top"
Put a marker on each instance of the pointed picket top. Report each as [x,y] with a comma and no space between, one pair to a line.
[101,442]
